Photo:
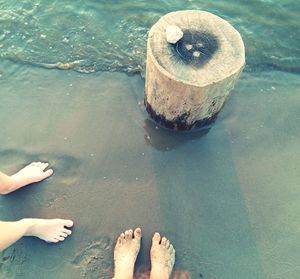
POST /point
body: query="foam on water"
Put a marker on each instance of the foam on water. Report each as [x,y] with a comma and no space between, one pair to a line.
[94,36]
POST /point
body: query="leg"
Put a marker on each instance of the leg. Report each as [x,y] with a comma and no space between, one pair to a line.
[162,257]
[33,172]
[50,230]
[126,251]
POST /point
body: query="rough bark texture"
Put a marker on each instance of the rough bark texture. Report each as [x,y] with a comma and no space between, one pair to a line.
[187,83]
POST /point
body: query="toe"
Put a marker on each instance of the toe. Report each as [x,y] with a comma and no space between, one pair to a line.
[122,237]
[137,233]
[156,238]
[68,232]
[44,165]
[63,234]
[48,173]
[130,234]
[168,243]
[127,234]
[68,223]
[163,241]
[60,238]
[171,249]
[119,240]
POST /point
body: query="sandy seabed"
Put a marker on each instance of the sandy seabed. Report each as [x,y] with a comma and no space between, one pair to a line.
[228,197]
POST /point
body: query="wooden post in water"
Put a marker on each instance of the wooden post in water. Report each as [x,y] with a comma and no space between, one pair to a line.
[188,81]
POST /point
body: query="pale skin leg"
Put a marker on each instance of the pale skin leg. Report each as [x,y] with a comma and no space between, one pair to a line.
[125,253]
[49,230]
[32,173]
[162,257]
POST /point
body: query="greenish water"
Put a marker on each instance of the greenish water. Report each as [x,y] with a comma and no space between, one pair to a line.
[228,199]
[102,35]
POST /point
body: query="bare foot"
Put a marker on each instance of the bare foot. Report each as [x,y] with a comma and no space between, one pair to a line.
[126,251]
[50,230]
[33,172]
[162,257]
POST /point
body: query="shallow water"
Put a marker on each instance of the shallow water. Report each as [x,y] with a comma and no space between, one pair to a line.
[97,35]
[228,197]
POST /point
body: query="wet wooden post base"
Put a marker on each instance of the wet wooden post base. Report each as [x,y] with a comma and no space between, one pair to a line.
[187,82]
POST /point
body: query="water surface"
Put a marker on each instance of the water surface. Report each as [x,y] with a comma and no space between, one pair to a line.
[228,197]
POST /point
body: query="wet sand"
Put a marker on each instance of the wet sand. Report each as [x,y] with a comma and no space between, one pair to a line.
[227,198]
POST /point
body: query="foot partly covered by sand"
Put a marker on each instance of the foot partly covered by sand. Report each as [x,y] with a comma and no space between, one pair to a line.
[162,257]
[50,230]
[125,253]
[33,172]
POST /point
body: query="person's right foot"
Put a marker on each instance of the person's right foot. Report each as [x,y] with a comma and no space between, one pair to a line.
[125,253]
[34,172]
[50,230]
[162,257]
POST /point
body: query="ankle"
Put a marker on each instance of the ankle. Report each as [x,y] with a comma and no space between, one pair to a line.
[123,276]
[159,273]
[15,181]
[9,186]
[124,273]
[28,226]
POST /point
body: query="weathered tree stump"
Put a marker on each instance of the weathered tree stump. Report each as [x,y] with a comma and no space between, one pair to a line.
[187,82]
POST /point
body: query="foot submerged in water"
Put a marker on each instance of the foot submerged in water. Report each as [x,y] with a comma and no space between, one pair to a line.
[125,253]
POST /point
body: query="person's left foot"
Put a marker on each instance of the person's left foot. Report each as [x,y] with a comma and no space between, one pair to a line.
[162,257]
[33,172]
[125,253]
